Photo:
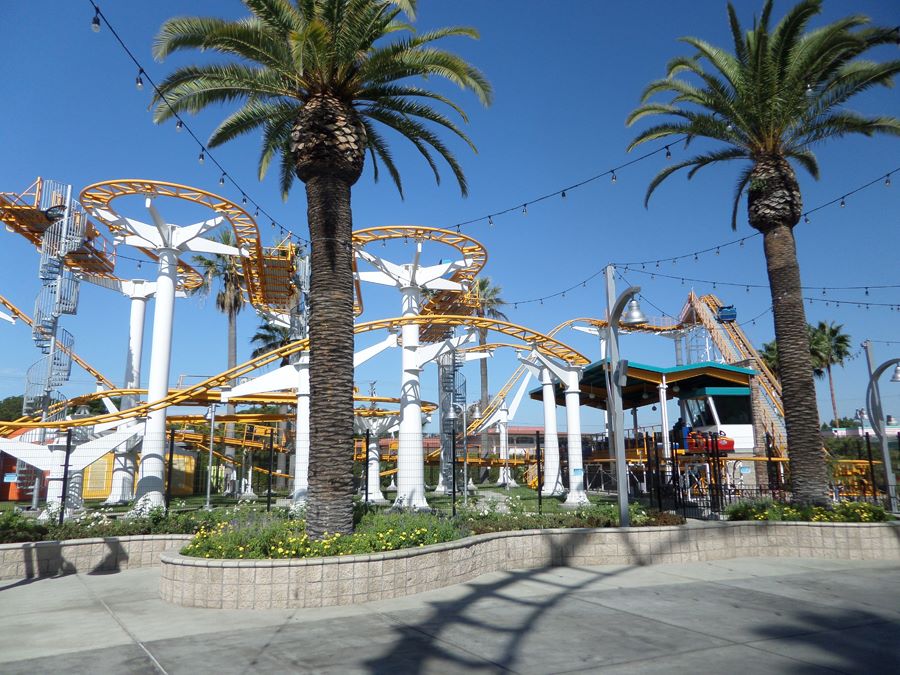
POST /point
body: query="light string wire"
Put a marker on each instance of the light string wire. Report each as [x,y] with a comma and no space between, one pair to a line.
[182,124]
[630,266]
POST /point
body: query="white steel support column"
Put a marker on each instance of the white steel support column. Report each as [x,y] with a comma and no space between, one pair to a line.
[410,452]
[301,450]
[577,495]
[150,480]
[122,484]
[664,419]
[373,476]
[552,484]
[506,472]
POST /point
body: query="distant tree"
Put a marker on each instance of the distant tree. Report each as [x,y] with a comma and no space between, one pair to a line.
[11,408]
[489,304]
[831,347]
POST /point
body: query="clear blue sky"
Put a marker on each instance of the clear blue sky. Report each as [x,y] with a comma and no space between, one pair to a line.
[564,81]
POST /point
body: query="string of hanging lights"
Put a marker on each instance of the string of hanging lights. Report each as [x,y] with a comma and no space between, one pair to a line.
[204,154]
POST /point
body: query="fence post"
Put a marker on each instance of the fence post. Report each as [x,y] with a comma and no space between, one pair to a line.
[540,472]
[271,469]
[65,480]
[169,470]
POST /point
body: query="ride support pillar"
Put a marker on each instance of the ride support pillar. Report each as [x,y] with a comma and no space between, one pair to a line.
[552,483]
[577,495]
[150,479]
[410,453]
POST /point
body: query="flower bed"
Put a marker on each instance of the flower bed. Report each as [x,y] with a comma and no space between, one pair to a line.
[842,512]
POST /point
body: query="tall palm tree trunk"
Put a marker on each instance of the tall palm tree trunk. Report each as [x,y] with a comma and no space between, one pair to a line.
[809,475]
[330,503]
[833,399]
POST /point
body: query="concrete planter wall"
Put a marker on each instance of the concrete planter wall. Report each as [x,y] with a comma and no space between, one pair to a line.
[319,582]
[105,554]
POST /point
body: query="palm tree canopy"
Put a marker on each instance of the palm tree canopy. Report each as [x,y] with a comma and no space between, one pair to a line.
[489,299]
[286,53]
[833,343]
[269,336]
[780,91]
[227,269]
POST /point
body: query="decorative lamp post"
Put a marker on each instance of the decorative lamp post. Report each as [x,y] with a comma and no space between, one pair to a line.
[876,418]
[616,374]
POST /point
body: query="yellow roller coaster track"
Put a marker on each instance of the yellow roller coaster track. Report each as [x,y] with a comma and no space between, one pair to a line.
[519,373]
[18,313]
[267,273]
[529,338]
[441,303]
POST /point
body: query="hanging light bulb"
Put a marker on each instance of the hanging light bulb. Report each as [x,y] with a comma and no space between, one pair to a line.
[542,301]
[887,180]
[179,125]
[95,22]
[273,224]
[490,222]
[515,305]
[742,243]
[257,212]
[729,127]
[139,264]
[809,89]
[201,157]
[457,229]
[613,179]
[139,81]
[563,194]
[696,257]
[867,291]
[524,209]
[657,264]
[896,376]
[748,289]
[668,153]
[243,199]
[222,179]
[718,252]
[805,218]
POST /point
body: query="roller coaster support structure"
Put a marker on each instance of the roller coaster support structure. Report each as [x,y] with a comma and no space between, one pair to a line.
[296,376]
[139,292]
[167,241]
[411,279]
[569,376]
[377,427]
[552,481]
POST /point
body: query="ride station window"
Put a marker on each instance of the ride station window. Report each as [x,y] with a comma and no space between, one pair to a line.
[733,409]
[700,414]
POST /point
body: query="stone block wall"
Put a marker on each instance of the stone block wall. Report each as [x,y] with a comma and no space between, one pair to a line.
[107,554]
[321,582]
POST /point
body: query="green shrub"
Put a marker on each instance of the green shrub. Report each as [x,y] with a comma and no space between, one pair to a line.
[842,512]
[16,527]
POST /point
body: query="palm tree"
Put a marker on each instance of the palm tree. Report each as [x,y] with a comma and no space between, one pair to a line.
[781,91]
[769,355]
[229,300]
[832,347]
[270,336]
[489,304]
[318,77]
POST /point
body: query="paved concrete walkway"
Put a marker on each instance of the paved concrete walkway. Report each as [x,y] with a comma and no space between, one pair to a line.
[747,615]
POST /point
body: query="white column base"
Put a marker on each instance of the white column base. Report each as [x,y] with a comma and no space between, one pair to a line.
[122,488]
[505,479]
